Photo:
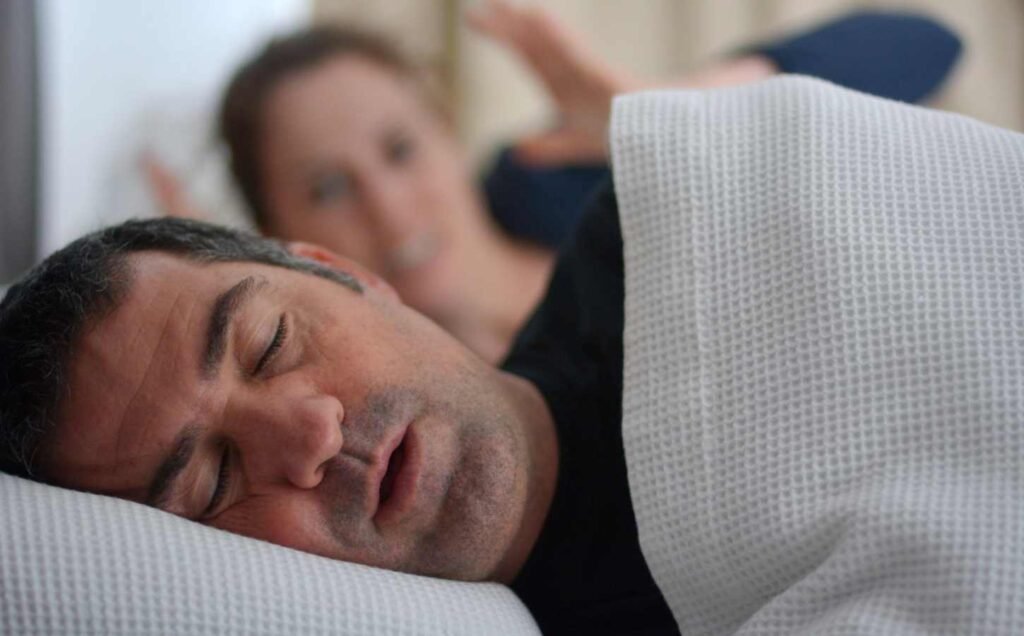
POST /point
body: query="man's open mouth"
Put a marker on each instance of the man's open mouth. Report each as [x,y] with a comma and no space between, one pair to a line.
[400,484]
[394,466]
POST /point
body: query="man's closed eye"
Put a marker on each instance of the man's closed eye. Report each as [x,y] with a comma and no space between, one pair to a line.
[278,340]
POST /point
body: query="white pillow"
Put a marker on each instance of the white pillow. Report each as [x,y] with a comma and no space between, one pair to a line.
[75,563]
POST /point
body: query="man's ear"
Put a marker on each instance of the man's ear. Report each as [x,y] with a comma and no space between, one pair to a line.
[327,258]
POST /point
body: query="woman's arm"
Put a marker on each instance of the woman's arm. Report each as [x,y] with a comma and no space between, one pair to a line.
[899,56]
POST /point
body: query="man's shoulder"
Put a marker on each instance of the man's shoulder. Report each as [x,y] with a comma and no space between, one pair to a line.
[583,302]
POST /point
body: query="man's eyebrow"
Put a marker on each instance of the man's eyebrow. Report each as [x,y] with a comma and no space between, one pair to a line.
[224,309]
[161,487]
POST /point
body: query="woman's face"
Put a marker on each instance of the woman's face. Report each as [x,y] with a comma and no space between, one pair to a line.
[353,159]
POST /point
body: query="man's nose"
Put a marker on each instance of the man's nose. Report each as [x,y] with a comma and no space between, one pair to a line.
[290,440]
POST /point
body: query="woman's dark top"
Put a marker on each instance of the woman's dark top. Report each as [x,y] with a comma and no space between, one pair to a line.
[899,56]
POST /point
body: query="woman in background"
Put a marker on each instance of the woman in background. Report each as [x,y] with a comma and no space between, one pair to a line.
[335,139]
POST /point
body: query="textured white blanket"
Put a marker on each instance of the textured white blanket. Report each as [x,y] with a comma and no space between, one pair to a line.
[824,373]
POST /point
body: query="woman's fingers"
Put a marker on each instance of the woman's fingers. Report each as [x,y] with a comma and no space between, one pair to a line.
[580,83]
[556,54]
[166,188]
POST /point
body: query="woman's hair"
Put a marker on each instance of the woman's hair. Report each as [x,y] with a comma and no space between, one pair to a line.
[242,109]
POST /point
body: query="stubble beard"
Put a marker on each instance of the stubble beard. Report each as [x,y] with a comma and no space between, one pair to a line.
[482,499]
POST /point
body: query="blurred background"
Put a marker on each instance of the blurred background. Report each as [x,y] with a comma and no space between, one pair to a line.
[89,86]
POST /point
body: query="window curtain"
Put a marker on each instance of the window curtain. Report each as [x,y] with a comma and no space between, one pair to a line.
[19,137]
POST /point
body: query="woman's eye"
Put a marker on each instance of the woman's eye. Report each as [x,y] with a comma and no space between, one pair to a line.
[328,189]
[274,346]
[400,149]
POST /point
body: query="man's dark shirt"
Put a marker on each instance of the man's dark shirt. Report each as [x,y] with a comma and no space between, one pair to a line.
[586,574]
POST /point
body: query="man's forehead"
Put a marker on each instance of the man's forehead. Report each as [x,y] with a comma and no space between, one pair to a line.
[135,374]
[153,269]
[156,265]
[164,293]
[128,370]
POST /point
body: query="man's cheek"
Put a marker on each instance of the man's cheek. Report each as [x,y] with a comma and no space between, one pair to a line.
[295,525]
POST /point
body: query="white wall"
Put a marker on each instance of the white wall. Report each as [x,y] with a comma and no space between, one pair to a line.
[107,66]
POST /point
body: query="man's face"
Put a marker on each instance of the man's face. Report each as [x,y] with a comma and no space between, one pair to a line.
[283,406]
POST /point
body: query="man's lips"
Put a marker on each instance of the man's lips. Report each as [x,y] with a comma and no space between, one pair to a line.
[398,478]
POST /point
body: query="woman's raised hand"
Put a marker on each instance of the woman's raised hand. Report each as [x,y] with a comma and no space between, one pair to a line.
[167,189]
[580,82]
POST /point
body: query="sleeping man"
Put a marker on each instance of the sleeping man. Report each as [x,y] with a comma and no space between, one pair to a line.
[775,385]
